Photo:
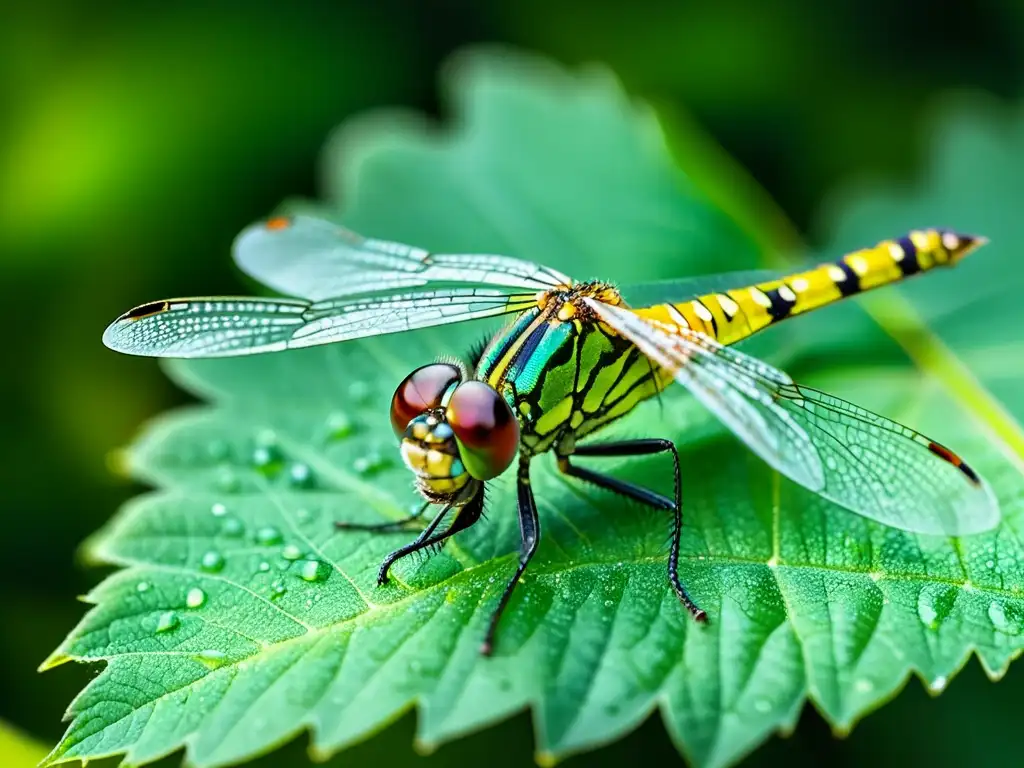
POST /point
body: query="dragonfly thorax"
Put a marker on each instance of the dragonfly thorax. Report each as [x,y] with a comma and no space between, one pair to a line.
[566,302]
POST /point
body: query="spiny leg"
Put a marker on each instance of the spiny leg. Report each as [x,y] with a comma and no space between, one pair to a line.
[466,515]
[392,525]
[529,532]
[641,448]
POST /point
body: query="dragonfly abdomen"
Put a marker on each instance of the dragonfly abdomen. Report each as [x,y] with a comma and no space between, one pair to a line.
[737,313]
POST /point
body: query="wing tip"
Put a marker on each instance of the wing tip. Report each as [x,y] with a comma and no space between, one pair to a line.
[947,455]
[114,334]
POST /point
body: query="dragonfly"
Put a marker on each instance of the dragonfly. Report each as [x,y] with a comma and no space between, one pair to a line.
[575,357]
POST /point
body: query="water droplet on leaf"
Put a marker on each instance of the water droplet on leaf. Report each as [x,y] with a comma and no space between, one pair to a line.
[232,527]
[195,598]
[218,450]
[213,561]
[300,475]
[143,586]
[219,510]
[370,463]
[926,611]
[277,589]
[228,481]
[339,426]
[211,659]
[268,536]
[167,621]
[359,392]
[315,570]
[291,552]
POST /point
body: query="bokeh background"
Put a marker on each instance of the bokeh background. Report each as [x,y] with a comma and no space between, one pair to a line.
[137,138]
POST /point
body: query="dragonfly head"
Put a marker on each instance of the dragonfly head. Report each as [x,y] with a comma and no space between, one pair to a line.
[455,432]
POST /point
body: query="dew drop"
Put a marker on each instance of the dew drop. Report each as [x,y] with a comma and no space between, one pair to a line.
[212,659]
[228,481]
[339,426]
[195,598]
[143,586]
[218,510]
[264,456]
[1000,621]
[300,475]
[264,566]
[213,561]
[763,706]
[938,684]
[359,392]
[370,463]
[315,570]
[277,589]
[926,611]
[268,536]
[232,527]
[291,552]
[218,450]
[864,686]
[609,603]
[167,621]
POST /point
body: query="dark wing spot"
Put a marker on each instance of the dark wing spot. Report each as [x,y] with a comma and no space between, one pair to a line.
[944,453]
[146,310]
[279,223]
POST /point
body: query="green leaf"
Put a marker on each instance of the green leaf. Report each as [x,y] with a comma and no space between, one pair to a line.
[240,617]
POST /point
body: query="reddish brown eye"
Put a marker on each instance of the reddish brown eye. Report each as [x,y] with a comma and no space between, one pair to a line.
[485,429]
[421,391]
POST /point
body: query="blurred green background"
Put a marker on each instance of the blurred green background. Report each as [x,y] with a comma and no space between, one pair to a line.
[137,138]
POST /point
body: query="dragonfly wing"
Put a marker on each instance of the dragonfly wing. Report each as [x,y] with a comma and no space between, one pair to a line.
[231,326]
[315,259]
[860,460]
[678,290]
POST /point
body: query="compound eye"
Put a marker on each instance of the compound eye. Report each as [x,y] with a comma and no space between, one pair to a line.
[485,428]
[422,391]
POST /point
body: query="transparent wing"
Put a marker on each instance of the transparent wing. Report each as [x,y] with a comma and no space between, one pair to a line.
[315,259]
[228,326]
[678,290]
[858,459]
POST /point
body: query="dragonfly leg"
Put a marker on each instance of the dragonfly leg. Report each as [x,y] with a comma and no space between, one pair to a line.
[674,505]
[529,532]
[464,517]
[392,525]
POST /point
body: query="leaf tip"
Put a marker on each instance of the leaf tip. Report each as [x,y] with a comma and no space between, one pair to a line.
[55,659]
[545,759]
[423,747]
[118,463]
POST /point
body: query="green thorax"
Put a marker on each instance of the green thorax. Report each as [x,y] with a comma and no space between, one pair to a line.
[565,378]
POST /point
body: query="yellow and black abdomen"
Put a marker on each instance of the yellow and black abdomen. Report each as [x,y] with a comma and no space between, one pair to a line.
[740,312]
